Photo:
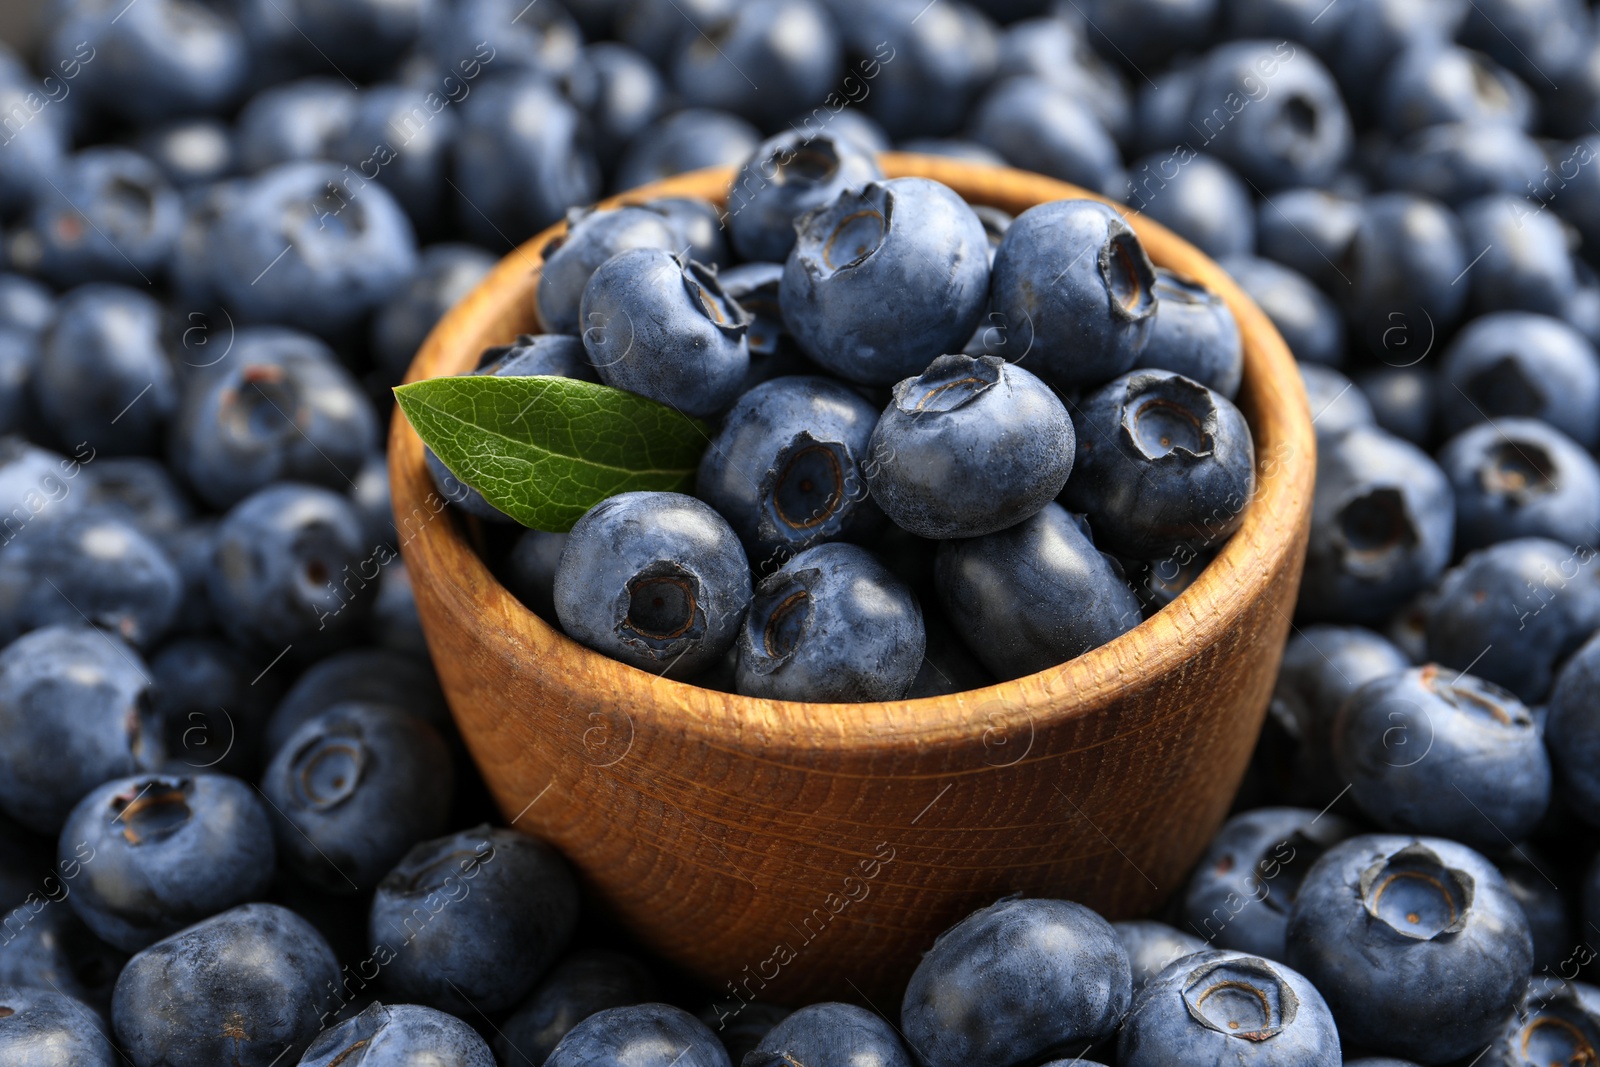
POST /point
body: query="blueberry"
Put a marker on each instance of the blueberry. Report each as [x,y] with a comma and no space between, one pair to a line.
[969,447]
[1058,50]
[591,238]
[1158,582]
[1518,363]
[168,852]
[214,716]
[1513,611]
[1432,82]
[639,1035]
[831,1035]
[1521,478]
[786,177]
[1403,401]
[281,408]
[139,490]
[49,947]
[1016,982]
[1416,944]
[1229,1007]
[1150,32]
[620,91]
[910,236]
[1076,290]
[360,676]
[683,141]
[1193,334]
[245,987]
[1034,595]
[1382,527]
[1038,126]
[1198,198]
[1298,20]
[521,159]
[313,246]
[397,138]
[355,787]
[370,495]
[1455,162]
[192,268]
[398,1035]
[1525,263]
[19,356]
[174,57]
[1373,32]
[1573,731]
[1164,464]
[112,217]
[657,580]
[103,374]
[1322,666]
[470,921]
[395,622]
[1528,37]
[583,983]
[293,121]
[191,152]
[1240,894]
[1272,112]
[924,65]
[1152,946]
[190,550]
[45,1028]
[1336,404]
[1403,265]
[1309,231]
[700,226]
[445,274]
[363,36]
[1445,754]
[36,151]
[785,469]
[25,304]
[288,569]
[74,712]
[95,567]
[529,571]
[792,43]
[1557,1020]
[1307,320]
[504,34]
[655,27]
[35,483]
[1575,182]
[832,625]
[663,328]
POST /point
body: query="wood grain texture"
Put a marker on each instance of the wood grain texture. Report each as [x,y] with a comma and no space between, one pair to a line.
[804,851]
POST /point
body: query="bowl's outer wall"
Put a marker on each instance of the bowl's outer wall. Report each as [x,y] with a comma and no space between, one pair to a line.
[794,852]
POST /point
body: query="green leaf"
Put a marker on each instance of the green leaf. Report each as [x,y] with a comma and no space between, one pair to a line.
[545,450]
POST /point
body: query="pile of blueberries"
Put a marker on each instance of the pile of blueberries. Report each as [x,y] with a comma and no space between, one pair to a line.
[236,822]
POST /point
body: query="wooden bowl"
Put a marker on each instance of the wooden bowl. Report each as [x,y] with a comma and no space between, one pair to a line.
[795,852]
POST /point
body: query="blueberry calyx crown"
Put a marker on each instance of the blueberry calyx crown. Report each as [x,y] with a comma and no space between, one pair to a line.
[1482,699]
[660,609]
[255,408]
[949,382]
[152,809]
[1167,415]
[1555,1027]
[1372,529]
[1243,998]
[326,770]
[1414,894]
[781,616]
[814,162]
[805,492]
[845,233]
[706,292]
[1129,276]
[1519,471]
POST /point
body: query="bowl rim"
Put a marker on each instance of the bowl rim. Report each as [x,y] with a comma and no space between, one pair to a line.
[1275,522]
